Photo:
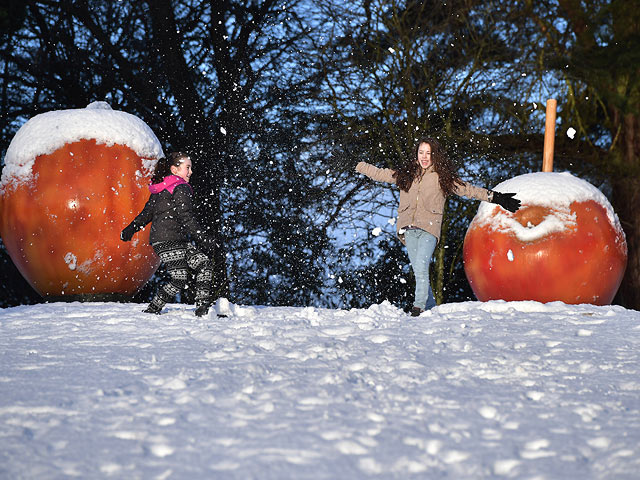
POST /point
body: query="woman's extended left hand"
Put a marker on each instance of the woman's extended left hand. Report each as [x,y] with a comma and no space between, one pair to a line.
[506,201]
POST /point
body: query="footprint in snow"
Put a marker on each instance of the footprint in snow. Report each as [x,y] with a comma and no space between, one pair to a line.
[348,447]
[338,331]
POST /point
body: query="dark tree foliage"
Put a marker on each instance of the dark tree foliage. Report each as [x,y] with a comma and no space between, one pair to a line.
[381,275]
[277,102]
[222,80]
[408,69]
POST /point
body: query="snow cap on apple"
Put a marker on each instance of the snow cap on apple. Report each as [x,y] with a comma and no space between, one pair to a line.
[554,190]
[46,132]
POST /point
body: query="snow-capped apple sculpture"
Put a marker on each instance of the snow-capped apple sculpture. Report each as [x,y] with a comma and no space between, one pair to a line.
[72,180]
[564,244]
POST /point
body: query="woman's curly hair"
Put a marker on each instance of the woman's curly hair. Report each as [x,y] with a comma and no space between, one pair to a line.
[411,170]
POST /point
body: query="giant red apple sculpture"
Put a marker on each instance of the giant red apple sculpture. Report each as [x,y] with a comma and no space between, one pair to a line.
[564,244]
[72,180]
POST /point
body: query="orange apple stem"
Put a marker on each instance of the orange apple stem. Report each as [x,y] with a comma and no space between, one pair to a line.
[549,135]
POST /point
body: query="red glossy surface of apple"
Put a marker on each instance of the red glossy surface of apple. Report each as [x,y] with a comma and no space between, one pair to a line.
[62,227]
[582,264]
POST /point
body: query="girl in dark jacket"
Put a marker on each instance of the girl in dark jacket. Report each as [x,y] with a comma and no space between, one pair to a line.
[173,226]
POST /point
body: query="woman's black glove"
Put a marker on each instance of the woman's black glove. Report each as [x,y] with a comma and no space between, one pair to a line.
[505,200]
[127,233]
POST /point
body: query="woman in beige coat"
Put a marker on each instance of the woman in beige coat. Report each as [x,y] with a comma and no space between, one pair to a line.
[425,181]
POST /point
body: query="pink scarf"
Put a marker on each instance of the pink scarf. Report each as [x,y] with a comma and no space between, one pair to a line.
[168,183]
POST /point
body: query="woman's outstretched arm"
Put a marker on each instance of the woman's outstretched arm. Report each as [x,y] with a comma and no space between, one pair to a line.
[375,173]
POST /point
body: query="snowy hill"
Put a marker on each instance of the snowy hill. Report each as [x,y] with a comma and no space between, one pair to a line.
[469,390]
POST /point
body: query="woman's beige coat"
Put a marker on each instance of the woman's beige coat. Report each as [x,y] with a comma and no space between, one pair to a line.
[423,205]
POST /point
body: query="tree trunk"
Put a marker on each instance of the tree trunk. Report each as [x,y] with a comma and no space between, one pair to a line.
[626,200]
[198,131]
[438,281]
[439,267]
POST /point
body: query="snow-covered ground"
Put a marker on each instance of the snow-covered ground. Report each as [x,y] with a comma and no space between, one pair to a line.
[469,390]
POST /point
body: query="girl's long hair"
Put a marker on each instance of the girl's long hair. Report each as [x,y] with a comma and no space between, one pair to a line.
[411,170]
[163,167]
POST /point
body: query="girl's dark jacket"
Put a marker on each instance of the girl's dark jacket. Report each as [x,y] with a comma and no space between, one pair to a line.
[170,211]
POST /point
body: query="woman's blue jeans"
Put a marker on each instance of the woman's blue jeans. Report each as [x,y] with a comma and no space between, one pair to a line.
[420,246]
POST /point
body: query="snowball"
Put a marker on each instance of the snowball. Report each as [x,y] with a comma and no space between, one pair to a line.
[547,189]
[223,307]
[376,231]
[46,132]
[571,132]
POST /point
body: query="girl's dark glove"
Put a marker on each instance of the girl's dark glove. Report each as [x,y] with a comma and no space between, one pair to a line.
[127,233]
[505,200]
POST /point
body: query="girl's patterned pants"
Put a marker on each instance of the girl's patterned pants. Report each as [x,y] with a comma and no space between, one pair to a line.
[179,258]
